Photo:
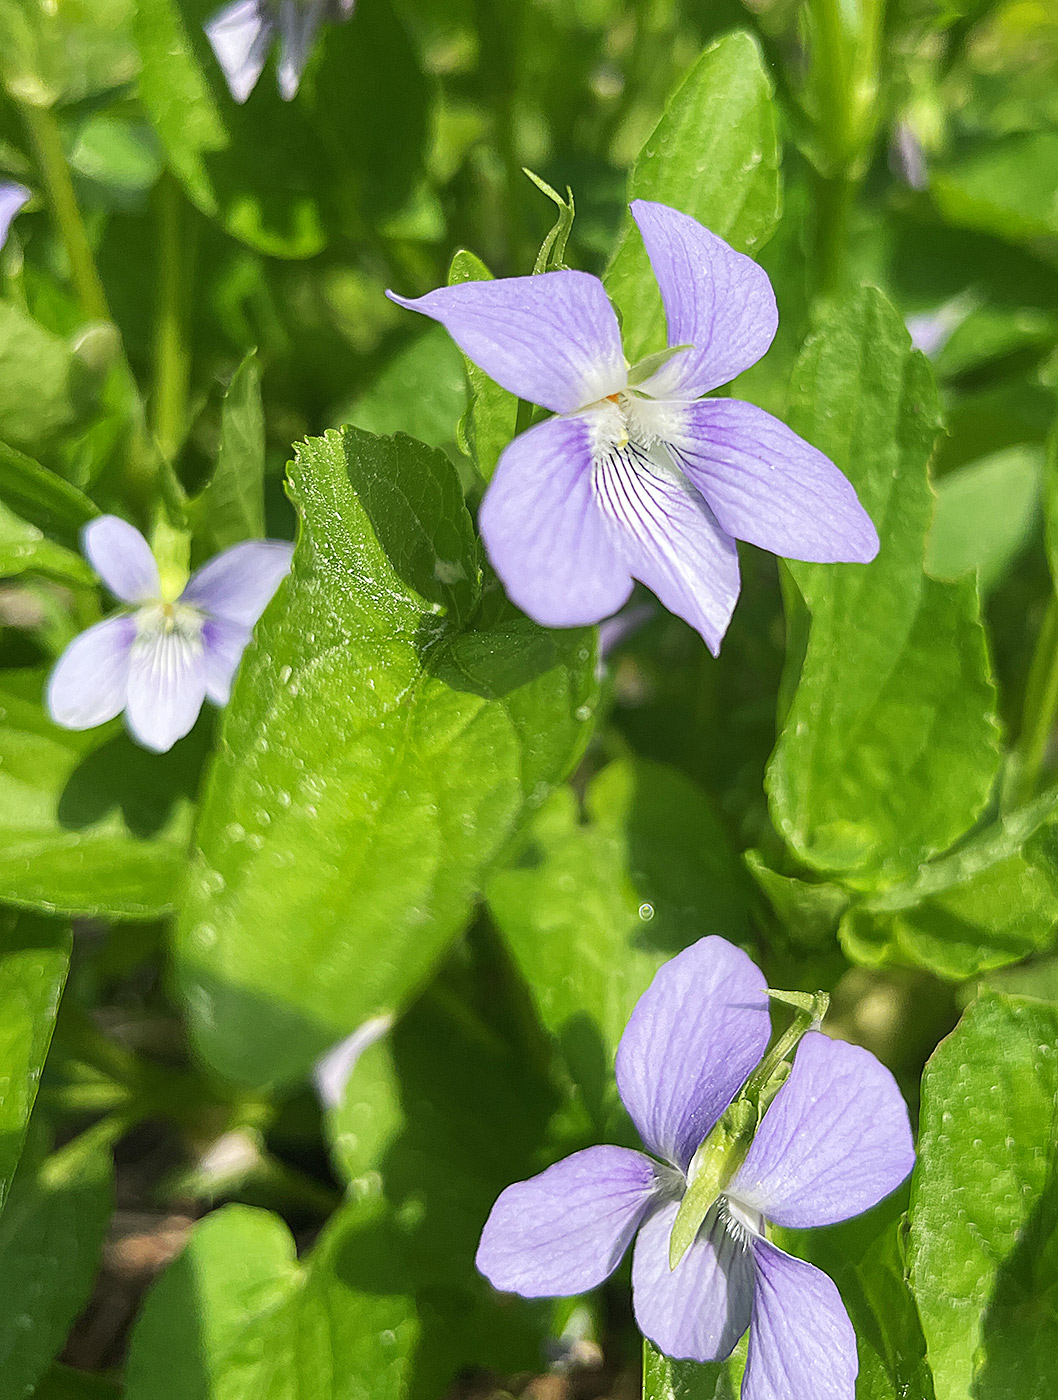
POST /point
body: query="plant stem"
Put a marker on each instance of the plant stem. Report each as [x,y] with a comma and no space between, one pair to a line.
[1040,711]
[835,196]
[47,142]
[172,356]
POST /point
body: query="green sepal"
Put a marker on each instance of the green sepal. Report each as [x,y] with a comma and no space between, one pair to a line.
[712,1168]
[553,249]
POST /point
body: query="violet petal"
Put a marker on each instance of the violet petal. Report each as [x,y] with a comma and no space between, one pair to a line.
[801,1342]
[716,300]
[544,532]
[552,339]
[239,583]
[694,1036]
[699,1310]
[90,679]
[122,558]
[167,685]
[240,36]
[224,643]
[12,198]
[670,540]
[835,1140]
[565,1231]
[298,25]
[768,486]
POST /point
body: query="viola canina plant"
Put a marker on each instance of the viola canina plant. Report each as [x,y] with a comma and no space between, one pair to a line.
[638,476]
[242,36]
[174,647]
[833,1140]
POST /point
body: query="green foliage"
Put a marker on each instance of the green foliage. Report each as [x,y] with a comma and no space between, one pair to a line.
[889,747]
[34,957]
[83,829]
[388,734]
[231,505]
[983,1206]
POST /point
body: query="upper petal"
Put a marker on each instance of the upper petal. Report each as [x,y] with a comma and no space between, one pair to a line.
[224,643]
[240,36]
[239,583]
[552,339]
[669,538]
[768,486]
[88,684]
[695,1034]
[715,299]
[565,1231]
[298,24]
[835,1140]
[122,558]
[12,198]
[697,1311]
[801,1342]
[544,531]
[167,684]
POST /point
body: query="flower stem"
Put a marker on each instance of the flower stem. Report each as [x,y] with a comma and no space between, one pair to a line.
[172,356]
[1040,711]
[51,158]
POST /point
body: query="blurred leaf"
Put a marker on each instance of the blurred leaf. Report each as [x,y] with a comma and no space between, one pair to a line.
[43,497]
[89,823]
[1050,504]
[51,1239]
[279,174]
[492,415]
[809,912]
[64,1383]
[890,747]
[236,1315]
[422,391]
[992,902]
[36,394]
[985,515]
[591,909]
[388,733]
[984,1204]
[231,505]
[24,547]
[1006,186]
[34,957]
[714,155]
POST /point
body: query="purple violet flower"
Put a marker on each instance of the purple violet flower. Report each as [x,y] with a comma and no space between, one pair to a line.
[242,34]
[637,476]
[12,198]
[161,660]
[833,1142]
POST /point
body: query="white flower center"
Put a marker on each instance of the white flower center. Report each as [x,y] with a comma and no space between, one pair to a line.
[179,621]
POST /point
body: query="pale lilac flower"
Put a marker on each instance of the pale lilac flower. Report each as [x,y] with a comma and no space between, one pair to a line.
[834,1141]
[159,661]
[638,476]
[12,198]
[333,1070]
[242,34]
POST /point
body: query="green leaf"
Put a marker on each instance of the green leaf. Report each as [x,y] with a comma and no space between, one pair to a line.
[389,732]
[593,908]
[36,393]
[889,748]
[991,902]
[985,515]
[665,1379]
[231,506]
[1003,186]
[34,957]
[41,496]
[984,1204]
[492,415]
[236,1315]
[714,155]
[422,391]
[51,1238]
[24,548]
[279,175]
[89,823]
[809,913]
[64,1383]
